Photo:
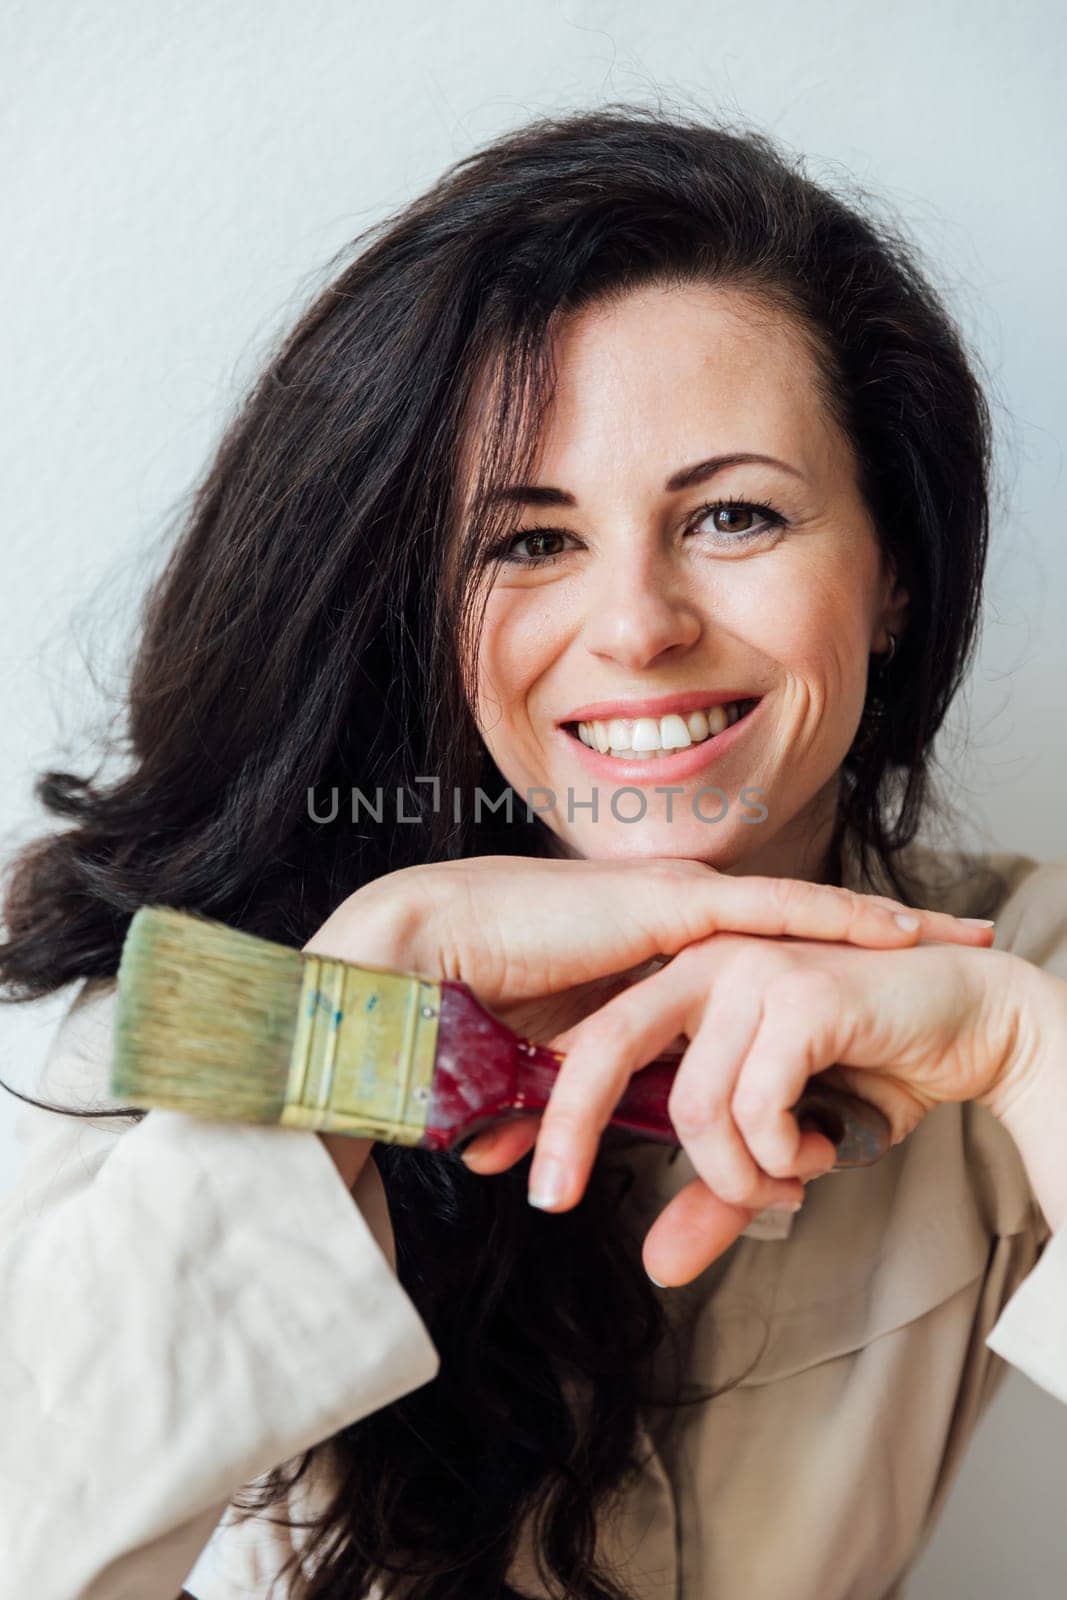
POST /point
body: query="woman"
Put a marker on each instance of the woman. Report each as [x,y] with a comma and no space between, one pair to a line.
[631,475]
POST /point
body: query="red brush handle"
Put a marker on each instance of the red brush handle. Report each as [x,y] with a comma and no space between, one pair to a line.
[485,1073]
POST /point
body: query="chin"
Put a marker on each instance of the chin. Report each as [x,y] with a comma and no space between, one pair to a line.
[621,843]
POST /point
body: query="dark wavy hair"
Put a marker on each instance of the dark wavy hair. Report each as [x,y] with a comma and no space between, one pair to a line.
[317,626]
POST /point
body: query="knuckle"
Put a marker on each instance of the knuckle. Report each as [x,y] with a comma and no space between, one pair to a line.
[663,876]
[778,1166]
[694,1111]
[858,907]
[795,898]
[843,900]
[672,868]
[669,882]
[694,958]
[762,963]
[801,988]
[688,1118]
[886,902]
[786,893]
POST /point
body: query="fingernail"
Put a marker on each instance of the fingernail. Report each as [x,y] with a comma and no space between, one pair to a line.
[656,1281]
[905,920]
[785,1205]
[818,1172]
[979,922]
[481,1146]
[548,1182]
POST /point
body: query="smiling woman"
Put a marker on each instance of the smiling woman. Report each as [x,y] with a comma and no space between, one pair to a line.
[653,603]
[626,463]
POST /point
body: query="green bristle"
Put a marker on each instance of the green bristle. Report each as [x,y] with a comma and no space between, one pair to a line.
[205,1017]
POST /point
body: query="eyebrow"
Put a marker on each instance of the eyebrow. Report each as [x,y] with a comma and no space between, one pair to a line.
[540,494]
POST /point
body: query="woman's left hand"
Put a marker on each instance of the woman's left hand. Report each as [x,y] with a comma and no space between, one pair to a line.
[906,1029]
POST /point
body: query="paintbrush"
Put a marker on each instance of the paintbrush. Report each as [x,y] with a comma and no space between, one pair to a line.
[223,1024]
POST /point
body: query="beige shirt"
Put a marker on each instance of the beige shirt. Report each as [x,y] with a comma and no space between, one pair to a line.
[187,1304]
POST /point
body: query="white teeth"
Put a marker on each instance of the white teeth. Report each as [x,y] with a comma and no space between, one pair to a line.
[655,737]
[674,735]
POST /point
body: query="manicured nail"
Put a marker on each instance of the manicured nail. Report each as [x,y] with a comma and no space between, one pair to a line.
[548,1183]
[785,1205]
[905,920]
[979,922]
[656,1281]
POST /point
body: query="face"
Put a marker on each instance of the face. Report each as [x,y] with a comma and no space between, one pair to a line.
[685,646]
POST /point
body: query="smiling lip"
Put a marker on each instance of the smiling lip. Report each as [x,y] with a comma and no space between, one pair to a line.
[659,705]
[665,769]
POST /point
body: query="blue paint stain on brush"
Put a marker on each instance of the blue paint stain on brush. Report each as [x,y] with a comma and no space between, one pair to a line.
[321,1003]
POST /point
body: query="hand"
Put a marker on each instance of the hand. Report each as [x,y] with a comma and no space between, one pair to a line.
[545,942]
[906,1029]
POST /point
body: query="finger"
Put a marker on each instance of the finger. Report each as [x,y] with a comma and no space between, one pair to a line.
[805,1024]
[795,908]
[499,1148]
[605,1050]
[700,1102]
[691,1231]
[942,925]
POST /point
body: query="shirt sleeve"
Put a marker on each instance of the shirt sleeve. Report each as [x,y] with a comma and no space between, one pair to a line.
[185,1305]
[1031,1330]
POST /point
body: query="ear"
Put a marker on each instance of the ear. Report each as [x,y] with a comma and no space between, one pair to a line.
[893,615]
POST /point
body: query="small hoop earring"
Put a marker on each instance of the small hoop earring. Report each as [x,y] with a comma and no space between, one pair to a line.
[885,659]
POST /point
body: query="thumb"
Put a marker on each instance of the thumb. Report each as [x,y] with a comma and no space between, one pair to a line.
[690,1233]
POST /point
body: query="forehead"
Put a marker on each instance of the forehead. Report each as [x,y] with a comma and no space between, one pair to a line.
[666,375]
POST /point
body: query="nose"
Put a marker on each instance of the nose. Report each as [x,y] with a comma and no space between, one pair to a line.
[637,611]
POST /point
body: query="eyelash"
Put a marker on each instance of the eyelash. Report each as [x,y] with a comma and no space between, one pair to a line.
[772,519]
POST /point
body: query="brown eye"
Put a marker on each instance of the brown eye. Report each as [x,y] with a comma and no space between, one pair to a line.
[737,529]
[540,541]
[731,512]
[541,547]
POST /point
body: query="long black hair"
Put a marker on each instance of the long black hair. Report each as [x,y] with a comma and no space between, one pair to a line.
[316,629]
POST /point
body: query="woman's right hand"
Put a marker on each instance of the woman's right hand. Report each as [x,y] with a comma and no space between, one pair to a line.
[544,942]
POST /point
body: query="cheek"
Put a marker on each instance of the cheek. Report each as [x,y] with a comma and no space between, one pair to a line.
[521,638]
[814,619]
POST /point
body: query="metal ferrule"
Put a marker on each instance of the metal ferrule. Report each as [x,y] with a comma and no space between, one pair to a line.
[363,1052]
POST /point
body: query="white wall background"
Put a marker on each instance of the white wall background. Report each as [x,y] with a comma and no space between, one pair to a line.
[176,174]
